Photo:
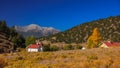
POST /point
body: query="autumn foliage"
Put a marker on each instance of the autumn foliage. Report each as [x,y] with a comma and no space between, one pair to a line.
[94,39]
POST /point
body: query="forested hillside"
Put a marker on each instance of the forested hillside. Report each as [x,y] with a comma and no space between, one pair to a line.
[108,27]
[10,40]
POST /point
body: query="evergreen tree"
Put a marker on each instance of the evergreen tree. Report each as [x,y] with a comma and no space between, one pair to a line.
[46,47]
[3,27]
[30,40]
[15,39]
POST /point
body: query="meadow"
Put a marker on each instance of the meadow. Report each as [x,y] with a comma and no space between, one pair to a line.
[89,58]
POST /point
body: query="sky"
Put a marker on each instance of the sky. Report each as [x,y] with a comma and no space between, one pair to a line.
[60,14]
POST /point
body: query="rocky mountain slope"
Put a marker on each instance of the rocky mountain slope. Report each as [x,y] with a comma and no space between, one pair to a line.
[5,44]
[108,27]
[36,30]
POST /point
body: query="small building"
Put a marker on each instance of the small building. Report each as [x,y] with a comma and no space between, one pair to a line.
[108,44]
[83,48]
[35,48]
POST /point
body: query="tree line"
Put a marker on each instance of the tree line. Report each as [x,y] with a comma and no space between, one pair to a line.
[16,40]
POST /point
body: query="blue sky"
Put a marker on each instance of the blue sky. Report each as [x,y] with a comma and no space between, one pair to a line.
[60,14]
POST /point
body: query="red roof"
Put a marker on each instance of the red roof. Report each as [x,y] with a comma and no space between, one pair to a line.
[34,46]
[109,44]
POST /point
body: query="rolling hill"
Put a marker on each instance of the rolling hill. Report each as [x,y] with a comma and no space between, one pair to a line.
[108,27]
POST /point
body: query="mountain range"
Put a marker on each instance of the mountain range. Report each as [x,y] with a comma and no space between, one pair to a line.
[35,30]
[108,27]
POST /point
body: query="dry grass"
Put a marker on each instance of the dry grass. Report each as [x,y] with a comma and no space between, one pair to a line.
[3,61]
[91,58]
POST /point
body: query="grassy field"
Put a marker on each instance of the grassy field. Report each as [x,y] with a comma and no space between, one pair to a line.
[89,58]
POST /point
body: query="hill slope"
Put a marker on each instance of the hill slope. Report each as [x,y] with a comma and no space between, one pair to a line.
[35,30]
[9,39]
[109,28]
[5,45]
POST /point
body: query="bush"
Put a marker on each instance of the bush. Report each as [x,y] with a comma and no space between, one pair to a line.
[46,47]
[92,57]
[68,47]
[19,58]
[79,47]
[54,48]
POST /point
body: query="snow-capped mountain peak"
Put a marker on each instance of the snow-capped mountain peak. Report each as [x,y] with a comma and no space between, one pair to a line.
[34,29]
[33,26]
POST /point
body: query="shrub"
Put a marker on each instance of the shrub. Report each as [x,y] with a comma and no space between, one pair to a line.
[54,48]
[92,57]
[19,58]
[46,47]
[79,47]
[68,47]
[1,50]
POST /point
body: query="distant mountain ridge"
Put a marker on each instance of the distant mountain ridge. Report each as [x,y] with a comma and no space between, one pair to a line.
[36,30]
[108,27]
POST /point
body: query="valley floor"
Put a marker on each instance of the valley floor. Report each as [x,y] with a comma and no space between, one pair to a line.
[89,58]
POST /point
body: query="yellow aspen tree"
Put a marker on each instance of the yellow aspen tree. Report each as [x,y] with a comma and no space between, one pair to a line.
[94,39]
